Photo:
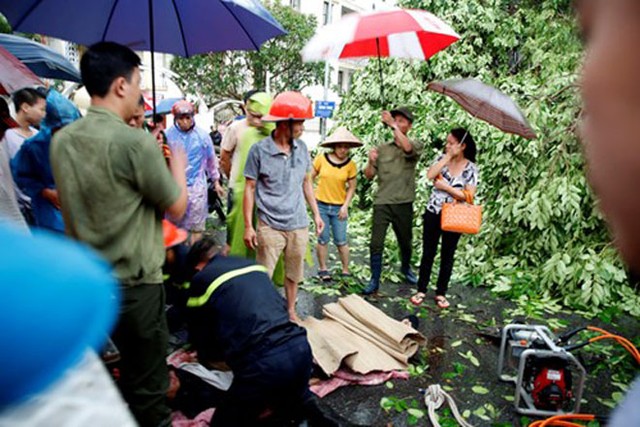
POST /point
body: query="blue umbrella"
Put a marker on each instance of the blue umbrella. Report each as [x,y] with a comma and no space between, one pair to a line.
[40,59]
[186,27]
[164,106]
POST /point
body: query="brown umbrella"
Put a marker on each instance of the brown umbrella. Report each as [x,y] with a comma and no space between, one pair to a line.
[14,74]
[486,103]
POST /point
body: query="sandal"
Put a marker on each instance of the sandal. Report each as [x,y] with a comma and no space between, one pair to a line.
[418,298]
[441,301]
[324,275]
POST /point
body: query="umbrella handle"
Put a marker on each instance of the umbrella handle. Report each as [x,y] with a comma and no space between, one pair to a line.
[380,71]
[152,42]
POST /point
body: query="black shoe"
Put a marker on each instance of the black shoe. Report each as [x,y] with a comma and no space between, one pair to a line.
[410,277]
[371,288]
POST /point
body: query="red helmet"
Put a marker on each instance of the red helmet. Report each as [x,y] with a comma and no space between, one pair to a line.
[182,107]
[289,106]
[172,235]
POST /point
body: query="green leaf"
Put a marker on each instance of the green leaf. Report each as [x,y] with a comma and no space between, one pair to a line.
[386,404]
[479,389]
[418,413]
[481,413]
[617,396]
[470,357]
[456,343]
[389,384]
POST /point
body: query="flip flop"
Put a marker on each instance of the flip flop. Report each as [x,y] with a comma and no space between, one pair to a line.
[441,301]
[324,275]
[418,299]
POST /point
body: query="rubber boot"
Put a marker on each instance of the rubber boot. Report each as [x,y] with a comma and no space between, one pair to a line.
[376,271]
[409,276]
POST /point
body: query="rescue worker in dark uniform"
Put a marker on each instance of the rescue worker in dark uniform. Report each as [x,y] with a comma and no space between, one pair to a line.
[235,315]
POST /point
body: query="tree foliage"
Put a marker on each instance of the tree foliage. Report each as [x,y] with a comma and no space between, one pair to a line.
[229,74]
[5,27]
[542,233]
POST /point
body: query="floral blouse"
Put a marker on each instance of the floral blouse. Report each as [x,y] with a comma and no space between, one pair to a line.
[469,176]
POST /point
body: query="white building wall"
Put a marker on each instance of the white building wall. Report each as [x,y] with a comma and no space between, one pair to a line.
[166,86]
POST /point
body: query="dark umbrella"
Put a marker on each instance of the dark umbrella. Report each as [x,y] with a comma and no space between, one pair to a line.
[40,59]
[486,103]
[187,27]
[14,74]
[163,107]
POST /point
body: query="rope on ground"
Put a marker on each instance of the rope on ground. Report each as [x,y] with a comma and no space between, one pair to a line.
[434,398]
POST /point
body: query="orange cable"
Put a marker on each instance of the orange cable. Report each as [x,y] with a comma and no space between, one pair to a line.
[561,420]
[557,424]
[628,345]
[596,329]
[623,342]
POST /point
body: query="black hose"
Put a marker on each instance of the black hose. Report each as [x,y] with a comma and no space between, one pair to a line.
[563,338]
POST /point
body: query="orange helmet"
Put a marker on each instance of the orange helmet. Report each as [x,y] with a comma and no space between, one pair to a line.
[289,106]
[182,107]
[172,234]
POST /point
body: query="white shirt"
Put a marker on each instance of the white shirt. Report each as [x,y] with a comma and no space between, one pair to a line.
[9,209]
[15,139]
[231,143]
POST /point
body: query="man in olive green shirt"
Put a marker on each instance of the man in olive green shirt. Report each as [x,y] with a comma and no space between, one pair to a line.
[394,164]
[114,187]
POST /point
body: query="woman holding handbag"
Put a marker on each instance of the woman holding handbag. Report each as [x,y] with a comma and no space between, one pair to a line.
[455,177]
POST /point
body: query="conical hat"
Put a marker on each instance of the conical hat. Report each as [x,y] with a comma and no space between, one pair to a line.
[342,136]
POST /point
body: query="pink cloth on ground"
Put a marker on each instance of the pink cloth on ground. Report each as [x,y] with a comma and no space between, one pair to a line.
[203,419]
[343,377]
[181,356]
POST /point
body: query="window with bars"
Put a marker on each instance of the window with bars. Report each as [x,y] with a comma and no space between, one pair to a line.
[72,54]
[325,13]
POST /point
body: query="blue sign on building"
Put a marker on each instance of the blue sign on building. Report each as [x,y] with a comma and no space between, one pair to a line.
[325,109]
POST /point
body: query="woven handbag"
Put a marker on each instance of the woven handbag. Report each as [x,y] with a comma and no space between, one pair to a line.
[461,217]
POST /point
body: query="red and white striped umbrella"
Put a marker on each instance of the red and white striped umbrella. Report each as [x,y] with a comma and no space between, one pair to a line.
[398,33]
[14,74]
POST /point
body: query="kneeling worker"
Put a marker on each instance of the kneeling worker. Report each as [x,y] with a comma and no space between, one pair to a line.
[235,315]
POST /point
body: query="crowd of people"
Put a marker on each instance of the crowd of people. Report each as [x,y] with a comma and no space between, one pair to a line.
[117,184]
[108,179]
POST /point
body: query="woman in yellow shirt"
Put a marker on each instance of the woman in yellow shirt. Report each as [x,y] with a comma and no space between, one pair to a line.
[336,174]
